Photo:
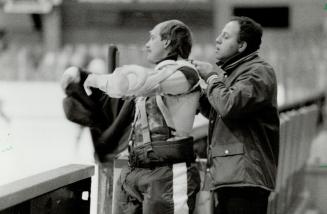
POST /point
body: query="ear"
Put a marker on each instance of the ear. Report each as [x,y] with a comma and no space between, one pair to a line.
[166,43]
[242,46]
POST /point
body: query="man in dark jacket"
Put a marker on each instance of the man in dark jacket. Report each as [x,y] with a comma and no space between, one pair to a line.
[241,104]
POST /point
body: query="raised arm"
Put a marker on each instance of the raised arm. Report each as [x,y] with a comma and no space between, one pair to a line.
[134,80]
[250,92]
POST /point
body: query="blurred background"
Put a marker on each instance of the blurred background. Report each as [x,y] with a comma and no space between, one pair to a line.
[40,38]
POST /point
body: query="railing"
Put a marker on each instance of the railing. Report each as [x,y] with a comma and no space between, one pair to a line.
[299,125]
[62,190]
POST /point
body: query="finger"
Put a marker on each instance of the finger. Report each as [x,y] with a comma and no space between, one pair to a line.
[87,88]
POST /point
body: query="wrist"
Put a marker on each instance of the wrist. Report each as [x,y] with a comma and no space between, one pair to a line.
[210,75]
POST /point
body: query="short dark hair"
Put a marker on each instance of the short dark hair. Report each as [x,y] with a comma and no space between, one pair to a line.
[250,32]
[180,37]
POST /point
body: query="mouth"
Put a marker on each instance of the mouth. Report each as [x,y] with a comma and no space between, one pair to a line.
[147,52]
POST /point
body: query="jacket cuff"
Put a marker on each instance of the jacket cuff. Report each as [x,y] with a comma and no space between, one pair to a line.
[209,75]
[214,78]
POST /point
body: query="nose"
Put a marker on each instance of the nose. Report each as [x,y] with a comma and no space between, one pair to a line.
[147,45]
[218,39]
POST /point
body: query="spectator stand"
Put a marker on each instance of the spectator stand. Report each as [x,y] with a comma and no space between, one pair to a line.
[300,123]
[46,17]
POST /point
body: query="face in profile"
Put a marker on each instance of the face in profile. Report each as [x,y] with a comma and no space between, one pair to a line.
[227,43]
[156,49]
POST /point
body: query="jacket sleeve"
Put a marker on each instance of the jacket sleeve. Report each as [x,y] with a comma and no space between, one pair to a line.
[250,92]
[139,81]
[204,106]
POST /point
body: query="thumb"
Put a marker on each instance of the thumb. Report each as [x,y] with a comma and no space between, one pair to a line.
[87,87]
[87,90]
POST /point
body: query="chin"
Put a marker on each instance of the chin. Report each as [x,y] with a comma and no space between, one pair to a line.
[149,58]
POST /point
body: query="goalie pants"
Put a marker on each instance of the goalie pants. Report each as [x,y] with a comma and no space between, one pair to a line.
[162,190]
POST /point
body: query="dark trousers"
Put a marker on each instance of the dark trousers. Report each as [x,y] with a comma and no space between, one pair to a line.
[160,190]
[241,200]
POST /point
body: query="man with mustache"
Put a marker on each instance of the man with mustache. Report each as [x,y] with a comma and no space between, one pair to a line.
[162,176]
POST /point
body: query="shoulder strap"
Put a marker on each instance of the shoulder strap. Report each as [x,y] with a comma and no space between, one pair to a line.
[144,120]
[165,112]
[141,108]
[183,63]
[162,106]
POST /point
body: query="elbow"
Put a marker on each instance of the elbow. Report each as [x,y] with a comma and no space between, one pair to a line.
[225,111]
[116,86]
[224,114]
[123,85]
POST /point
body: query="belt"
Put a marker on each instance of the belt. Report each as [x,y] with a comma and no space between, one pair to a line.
[162,153]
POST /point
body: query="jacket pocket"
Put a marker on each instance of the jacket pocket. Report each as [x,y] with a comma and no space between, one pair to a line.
[227,163]
[222,150]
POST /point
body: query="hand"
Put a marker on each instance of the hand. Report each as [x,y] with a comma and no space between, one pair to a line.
[91,81]
[204,68]
[71,75]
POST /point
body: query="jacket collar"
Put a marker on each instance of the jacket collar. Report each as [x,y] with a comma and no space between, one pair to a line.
[172,56]
[236,60]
